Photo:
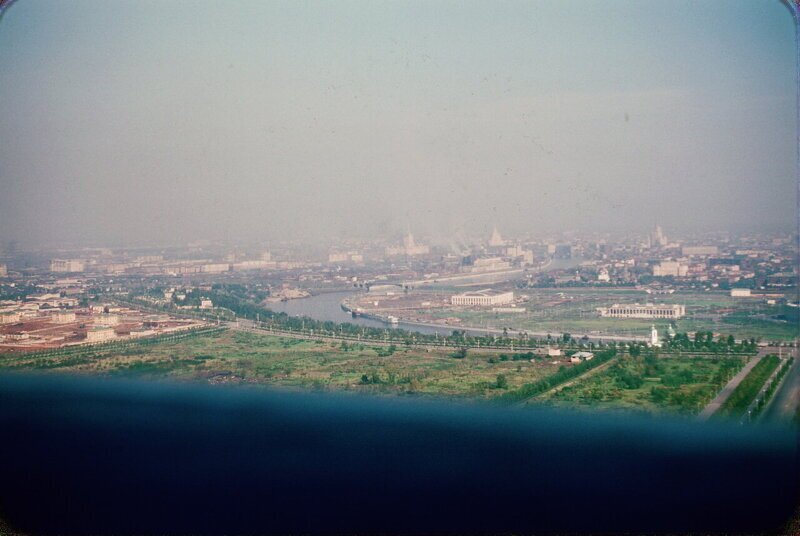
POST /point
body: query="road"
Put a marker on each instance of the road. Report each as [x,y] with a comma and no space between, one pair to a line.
[726,392]
[731,386]
[785,401]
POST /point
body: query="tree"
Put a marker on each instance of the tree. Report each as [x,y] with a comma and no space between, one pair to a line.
[461,353]
[501,382]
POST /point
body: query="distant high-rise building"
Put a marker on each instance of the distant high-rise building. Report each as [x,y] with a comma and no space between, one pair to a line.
[409,247]
[3,270]
[657,238]
[496,240]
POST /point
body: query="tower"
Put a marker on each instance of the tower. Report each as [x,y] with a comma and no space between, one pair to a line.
[654,337]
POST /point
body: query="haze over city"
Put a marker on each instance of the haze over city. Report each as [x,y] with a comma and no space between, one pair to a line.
[399,267]
[160,123]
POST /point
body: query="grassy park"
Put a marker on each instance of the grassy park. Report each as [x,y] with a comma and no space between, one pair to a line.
[671,382]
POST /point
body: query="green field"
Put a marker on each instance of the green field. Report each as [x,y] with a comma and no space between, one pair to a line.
[651,384]
[248,358]
[674,383]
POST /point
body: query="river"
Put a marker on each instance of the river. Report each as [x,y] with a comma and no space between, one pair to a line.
[327,307]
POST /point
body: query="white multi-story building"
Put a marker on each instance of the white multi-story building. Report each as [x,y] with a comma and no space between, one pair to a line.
[216,268]
[254,265]
[67,265]
[3,270]
[483,297]
[647,310]
[489,264]
[699,250]
[106,319]
[100,334]
[673,268]
[62,317]
[337,257]
[10,317]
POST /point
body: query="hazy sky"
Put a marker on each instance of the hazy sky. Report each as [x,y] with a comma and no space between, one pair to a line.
[125,122]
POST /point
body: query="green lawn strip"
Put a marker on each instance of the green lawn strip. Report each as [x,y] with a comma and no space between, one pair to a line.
[745,392]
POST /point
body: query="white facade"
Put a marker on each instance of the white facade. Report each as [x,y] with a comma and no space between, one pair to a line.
[740,293]
[482,297]
[648,310]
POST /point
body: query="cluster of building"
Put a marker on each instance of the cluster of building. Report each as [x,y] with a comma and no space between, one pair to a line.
[45,321]
[156,264]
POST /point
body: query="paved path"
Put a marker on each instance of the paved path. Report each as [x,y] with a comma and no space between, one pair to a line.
[723,395]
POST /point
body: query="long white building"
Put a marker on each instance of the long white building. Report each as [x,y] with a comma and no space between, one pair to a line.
[483,297]
[647,310]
